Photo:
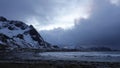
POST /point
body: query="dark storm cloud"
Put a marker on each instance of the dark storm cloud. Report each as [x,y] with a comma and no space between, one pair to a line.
[14,9]
[102,28]
[23,9]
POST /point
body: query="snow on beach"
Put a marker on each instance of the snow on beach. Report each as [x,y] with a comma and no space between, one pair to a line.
[66,60]
[82,56]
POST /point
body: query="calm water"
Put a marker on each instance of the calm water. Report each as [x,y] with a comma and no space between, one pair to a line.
[82,56]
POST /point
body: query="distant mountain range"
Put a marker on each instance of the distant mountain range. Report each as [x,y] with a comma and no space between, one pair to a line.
[17,34]
[93,48]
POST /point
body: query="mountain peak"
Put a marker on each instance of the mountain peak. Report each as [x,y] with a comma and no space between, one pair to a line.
[18,34]
[2,18]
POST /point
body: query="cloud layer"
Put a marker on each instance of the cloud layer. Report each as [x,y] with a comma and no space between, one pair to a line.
[102,28]
[46,14]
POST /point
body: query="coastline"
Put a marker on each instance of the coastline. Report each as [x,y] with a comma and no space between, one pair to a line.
[56,64]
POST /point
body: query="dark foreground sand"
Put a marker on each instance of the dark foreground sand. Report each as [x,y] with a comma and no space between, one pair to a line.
[57,64]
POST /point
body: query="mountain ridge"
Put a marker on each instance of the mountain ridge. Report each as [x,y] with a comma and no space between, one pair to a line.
[17,34]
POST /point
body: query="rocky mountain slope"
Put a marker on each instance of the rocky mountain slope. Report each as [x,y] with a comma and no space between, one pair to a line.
[17,34]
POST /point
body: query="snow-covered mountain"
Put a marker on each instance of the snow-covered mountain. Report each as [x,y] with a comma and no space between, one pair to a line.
[17,34]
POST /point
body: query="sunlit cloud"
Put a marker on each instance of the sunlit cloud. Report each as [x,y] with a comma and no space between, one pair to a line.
[62,15]
[115,2]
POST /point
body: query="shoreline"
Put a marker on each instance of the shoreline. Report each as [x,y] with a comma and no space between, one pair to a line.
[61,60]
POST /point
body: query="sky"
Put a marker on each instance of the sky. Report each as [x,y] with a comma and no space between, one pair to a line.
[46,14]
[83,23]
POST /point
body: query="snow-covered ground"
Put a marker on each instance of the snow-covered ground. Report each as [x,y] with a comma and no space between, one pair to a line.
[66,59]
[72,56]
[81,56]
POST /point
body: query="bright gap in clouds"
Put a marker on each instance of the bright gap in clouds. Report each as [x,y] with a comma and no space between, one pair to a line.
[115,2]
[65,16]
